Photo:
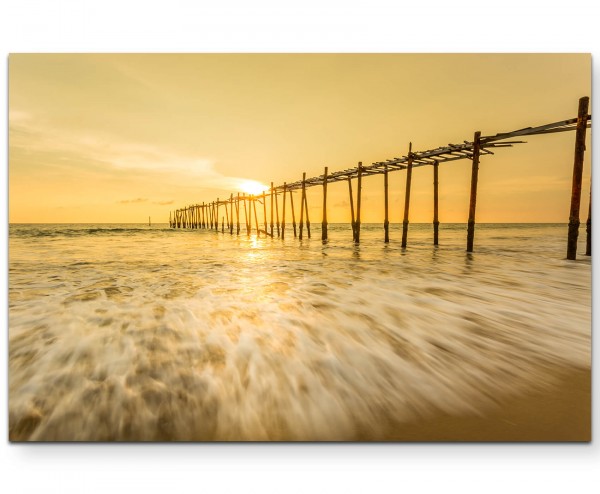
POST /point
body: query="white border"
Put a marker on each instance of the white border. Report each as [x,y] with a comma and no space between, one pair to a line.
[299,26]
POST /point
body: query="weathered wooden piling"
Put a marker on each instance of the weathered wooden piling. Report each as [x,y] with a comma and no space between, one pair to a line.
[246,215]
[237,213]
[386,220]
[436,223]
[256,217]
[577,177]
[324,221]
[302,204]
[352,222]
[231,214]
[217,215]
[223,223]
[277,212]
[264,198]
[473,198]
[409,168]
[272,225]
[293,214]
[226,215]
[306,211]
[358,202]
[588,229]
[283,212]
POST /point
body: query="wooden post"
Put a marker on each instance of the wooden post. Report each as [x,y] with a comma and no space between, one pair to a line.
[255,216]
[170,226]
[324,222]
[352,209]
[202,220]
[577,175]
[293,214]
[277,213]
[306,210]
[223,223]
[231,214]
[358,202]
[217,215]
[227,216]
[271,210]
[302,205]
[407,197]
[237,213]
[246,216]
[436,223]
[386,220]
[283,213]
[473,200]
[588,229]
[264,197]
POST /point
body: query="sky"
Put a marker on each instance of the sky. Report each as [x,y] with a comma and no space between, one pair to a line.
[104,138]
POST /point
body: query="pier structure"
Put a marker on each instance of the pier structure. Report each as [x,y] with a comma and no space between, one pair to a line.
[206,215]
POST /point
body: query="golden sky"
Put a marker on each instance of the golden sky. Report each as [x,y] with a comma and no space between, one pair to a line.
[118,138]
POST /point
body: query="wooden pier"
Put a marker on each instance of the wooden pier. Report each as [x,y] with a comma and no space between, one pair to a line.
[206,215]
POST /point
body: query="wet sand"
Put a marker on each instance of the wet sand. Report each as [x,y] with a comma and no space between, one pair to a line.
[561,413]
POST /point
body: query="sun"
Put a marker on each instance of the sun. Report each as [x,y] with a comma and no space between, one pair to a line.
[252,187]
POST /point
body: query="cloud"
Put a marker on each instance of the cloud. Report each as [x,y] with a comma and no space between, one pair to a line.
[75,152]
[163,203]
[132,201]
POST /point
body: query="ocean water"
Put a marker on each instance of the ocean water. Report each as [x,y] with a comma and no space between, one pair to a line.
[131,332]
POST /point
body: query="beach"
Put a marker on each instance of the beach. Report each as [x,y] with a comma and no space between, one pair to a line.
[122,332]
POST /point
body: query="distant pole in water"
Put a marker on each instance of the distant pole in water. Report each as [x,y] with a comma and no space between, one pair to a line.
[588,244]
[324,222]
[352,210]
[409,168]
[283,212]
[386,220]
[436,223]
[231,214]
[577,176]
[256,217]
[302,205]
[358,202]
[277,213]
[307,218]
[264,197]
[473,199]
[149,223]
[246,215]
[237,213]
[271,210]
[293,214]
[227,215]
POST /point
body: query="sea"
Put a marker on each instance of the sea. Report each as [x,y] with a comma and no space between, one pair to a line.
[131,332]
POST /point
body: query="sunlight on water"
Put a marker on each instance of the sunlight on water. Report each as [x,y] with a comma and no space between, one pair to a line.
[130,332]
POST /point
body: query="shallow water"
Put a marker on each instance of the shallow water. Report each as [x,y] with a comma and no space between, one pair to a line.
[130,332]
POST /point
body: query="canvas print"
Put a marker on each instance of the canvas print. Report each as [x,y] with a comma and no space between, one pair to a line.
[299,247]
